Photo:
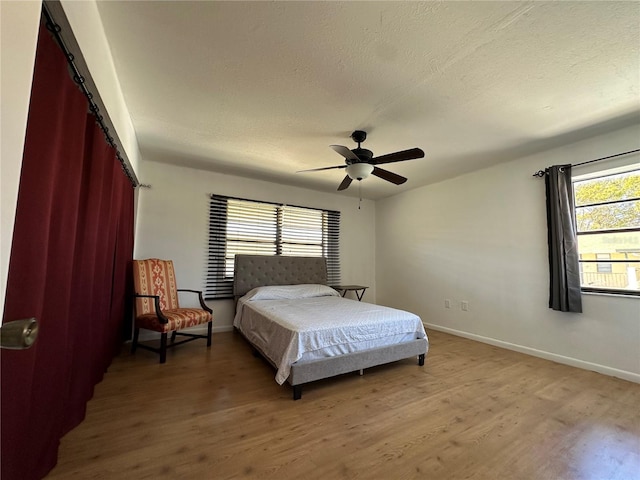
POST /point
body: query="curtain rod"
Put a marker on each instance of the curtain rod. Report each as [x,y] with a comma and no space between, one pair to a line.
[79,79]
[542,173]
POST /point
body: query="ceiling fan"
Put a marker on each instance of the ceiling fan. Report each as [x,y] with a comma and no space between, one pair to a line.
[360,162]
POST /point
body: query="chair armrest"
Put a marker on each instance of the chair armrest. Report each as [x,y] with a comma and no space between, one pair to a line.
[156,298]
[199,292]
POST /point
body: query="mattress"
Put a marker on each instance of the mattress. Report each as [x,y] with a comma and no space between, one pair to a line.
[289,330]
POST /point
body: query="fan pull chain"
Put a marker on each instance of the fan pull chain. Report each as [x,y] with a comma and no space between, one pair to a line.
[359,194]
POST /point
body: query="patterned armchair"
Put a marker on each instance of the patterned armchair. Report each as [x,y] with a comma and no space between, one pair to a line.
[157,307]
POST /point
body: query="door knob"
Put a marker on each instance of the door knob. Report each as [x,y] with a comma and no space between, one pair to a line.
[18,334]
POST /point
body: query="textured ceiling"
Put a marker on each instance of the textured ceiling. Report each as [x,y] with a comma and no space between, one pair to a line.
[261,89]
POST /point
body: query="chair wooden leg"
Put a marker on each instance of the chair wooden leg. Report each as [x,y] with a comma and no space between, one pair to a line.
[209,329]
[134,342]
[163,348]
[173,336]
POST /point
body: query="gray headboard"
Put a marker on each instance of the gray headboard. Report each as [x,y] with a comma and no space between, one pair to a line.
[253,271]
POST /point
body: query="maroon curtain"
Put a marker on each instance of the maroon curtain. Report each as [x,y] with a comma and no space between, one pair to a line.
[72,244]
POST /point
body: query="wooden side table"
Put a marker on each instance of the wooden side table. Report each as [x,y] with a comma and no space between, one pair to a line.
[359,289]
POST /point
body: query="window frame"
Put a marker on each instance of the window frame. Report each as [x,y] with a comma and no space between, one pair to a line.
[597,175]
[275,218]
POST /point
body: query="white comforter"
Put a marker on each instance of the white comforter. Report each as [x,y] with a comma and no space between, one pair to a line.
[286,329]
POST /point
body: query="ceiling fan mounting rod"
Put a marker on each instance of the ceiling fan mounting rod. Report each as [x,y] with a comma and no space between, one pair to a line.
[359,136]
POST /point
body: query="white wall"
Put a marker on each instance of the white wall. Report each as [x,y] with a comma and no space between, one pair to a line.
[481,238]
[173,223]
[19,22]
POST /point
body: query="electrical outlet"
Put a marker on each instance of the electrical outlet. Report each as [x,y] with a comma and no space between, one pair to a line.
[465,306]
[447,303]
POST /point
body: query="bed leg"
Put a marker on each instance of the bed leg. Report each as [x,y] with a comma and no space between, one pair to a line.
[297,392]
[421,359]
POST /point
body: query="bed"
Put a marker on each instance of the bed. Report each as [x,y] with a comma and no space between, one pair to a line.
[307,331]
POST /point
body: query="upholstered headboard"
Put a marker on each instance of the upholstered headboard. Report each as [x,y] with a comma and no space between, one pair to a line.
[253,271]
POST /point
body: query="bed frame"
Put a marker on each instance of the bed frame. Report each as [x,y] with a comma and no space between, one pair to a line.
[253,271]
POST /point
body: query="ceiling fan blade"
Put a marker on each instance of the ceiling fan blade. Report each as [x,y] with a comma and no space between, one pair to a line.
[388,176]
[345,183]
[345,152]
[398,156]
[322,168]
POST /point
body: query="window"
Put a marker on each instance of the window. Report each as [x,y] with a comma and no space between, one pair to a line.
[603,267]
[608,227]
[240,226]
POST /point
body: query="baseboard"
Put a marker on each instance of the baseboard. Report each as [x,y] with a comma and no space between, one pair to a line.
[573,362]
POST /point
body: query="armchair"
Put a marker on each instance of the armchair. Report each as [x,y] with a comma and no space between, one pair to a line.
[157,307]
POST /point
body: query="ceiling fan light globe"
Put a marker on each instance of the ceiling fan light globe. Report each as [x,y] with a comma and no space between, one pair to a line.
[359,171]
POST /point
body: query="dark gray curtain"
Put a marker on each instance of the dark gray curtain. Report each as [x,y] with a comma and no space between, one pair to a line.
[564,268]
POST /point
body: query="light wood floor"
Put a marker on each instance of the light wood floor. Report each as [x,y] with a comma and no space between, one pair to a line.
[473,411]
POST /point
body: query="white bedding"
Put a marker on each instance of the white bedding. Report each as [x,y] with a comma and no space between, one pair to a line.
[288,330]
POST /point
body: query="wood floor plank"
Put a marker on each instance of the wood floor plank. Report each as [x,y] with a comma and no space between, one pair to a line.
[474,411]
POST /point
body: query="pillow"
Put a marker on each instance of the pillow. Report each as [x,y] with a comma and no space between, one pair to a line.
[289,292]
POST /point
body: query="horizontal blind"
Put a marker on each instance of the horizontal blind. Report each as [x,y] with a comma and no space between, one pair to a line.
[216,285]
[240,226]
[332,246]
[251,229]
[301,232]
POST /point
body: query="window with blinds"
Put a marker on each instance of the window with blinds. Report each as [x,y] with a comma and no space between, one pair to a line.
[240,226]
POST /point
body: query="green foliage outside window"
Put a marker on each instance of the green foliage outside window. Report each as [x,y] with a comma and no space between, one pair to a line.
[607,189]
